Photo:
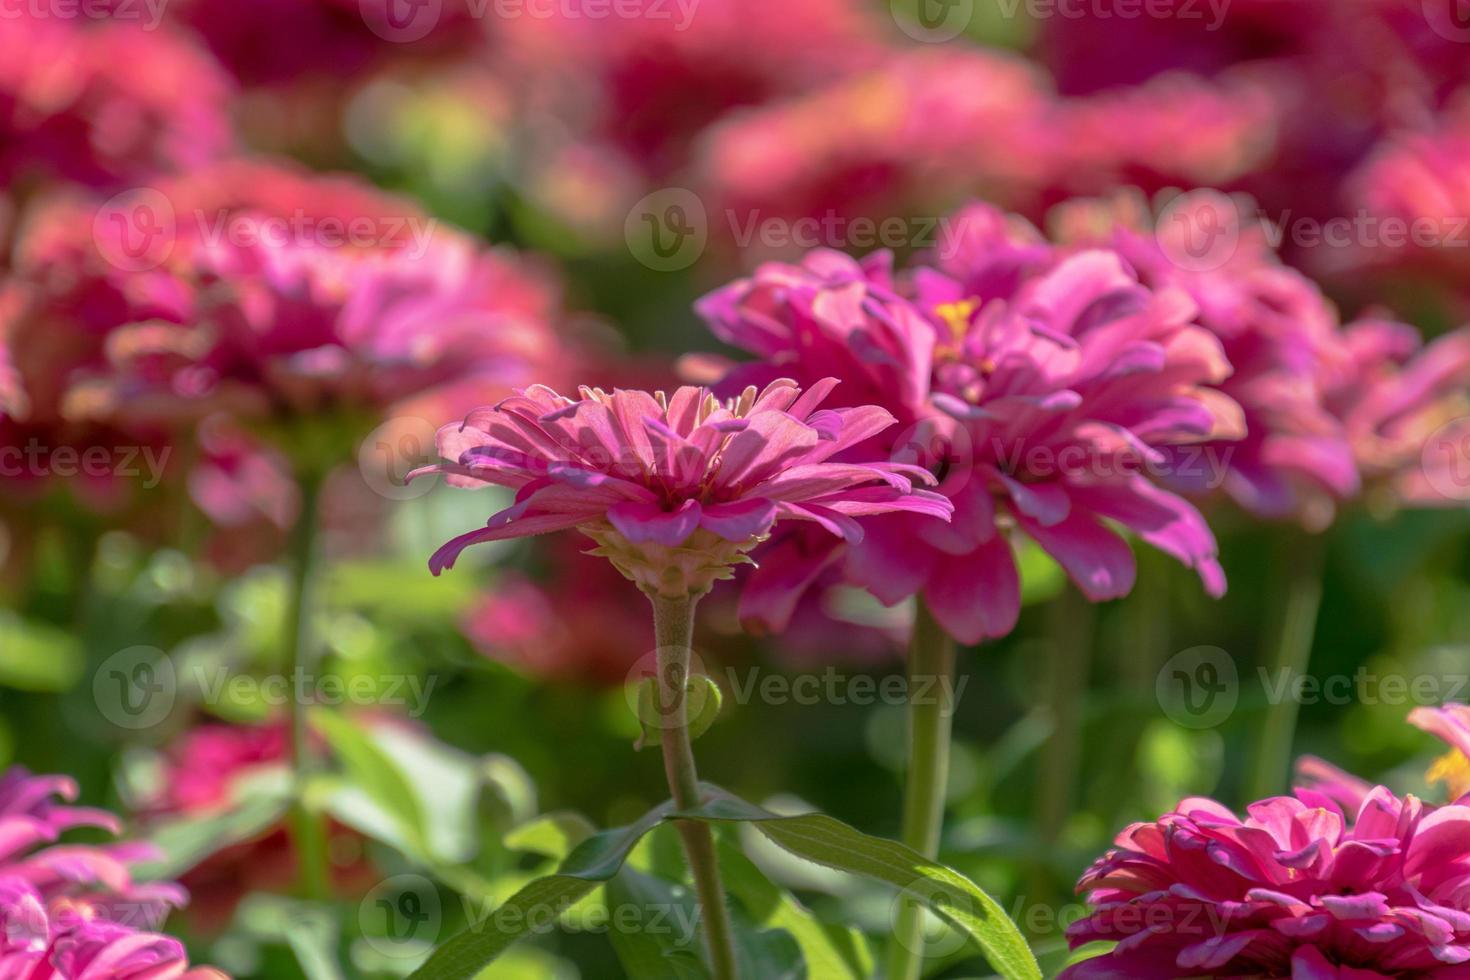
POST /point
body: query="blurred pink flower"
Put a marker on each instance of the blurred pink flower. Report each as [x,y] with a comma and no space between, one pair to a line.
[285,42]
[1174,129]
[1039,385]
[1406,412]
[647,82]
[517,622]
[1278,331]
[273,304]
[201,777]
[1412,206]
[109,104]
[916,132]
[70,911]
[675,489]
[1297,889]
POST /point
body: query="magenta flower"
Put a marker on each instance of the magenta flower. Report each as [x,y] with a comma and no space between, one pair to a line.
[676,489]
[105,105]
[275,296]
[1278,331]
[1296,889]
[72,911]
[647,87]
[1173,129]
[1050,383]
[1405,410]
[872,143]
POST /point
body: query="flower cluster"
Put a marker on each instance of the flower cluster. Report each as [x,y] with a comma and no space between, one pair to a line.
[1041,386]
[74,911]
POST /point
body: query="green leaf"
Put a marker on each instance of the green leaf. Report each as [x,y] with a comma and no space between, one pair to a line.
[553,835]
[815,837]
[830,952]
[593,862]
[373,771]
[37,657]
[652,927]
[832,843]
[259,805]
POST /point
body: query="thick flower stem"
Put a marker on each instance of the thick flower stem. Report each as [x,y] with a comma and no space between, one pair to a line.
[673,627]
[931,664]
[309,832]
[1303,568]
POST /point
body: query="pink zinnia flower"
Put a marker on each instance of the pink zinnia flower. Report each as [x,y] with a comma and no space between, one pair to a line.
[286,42]
[917,129]
[676,489]
[278,299]
[70,911]
[1049,383]
[1174,129]
[1278,331]
[202,773]
[1296,889]
[646,86]
[517,621]
[106,105]
[1405,410]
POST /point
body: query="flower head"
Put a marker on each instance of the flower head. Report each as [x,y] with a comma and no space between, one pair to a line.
[1040,386]
[675,489]
[1405,409]
[1296,889]
[105,105]
[1276,328]
[290,300]
[70,911]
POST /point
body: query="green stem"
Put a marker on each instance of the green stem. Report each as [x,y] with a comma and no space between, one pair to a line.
[1303,563]
[673,627]
[310,831]
[931,665]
